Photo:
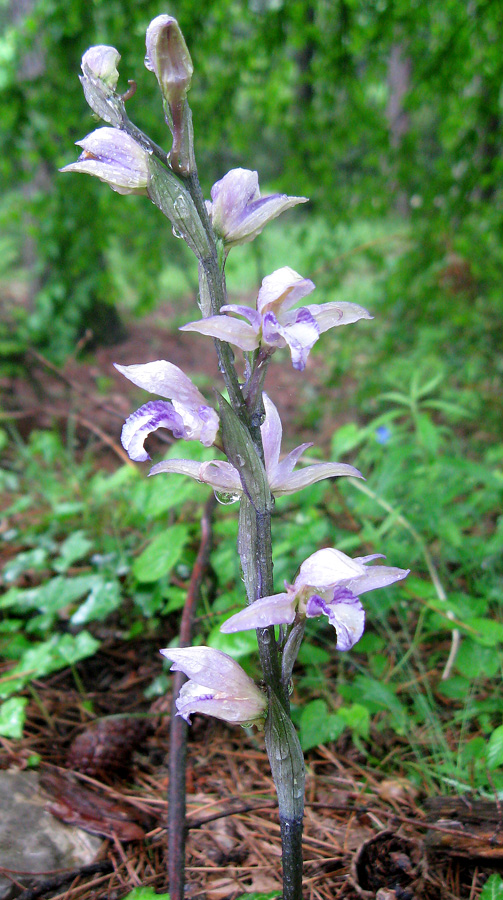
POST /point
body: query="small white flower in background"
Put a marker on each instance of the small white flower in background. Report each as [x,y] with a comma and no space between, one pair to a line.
[237,211]
[329,583]
[223,476]
[187,416]
[274,323]
[217,686]
[115,158]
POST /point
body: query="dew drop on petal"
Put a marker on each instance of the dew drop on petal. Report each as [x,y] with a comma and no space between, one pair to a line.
[176,232]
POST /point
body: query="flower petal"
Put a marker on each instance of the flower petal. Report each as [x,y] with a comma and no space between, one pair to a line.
[345,613]
[154,415]
[278,609]
[221,475]
[285,468]
[375,577]
[189,467]
[254,318]
[311,475]
[300,336]
[329,315]
[225,328]
[282,289]
[271,431]
[326,568]
[240,711]
[211,668]
[163,378]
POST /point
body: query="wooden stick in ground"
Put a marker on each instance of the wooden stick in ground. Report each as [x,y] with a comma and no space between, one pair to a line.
[177,828]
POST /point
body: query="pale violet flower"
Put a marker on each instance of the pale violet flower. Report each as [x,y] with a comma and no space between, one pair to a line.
[187,416]
[217,686]
[329,583]
[274,324]
[237,211]
[115,158]
[222,476]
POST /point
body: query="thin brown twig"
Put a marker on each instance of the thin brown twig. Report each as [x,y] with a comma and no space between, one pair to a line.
[177,828]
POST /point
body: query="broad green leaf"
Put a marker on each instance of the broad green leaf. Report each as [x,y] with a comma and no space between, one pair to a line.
[317,725]
[161,555]
[31,559]
[238,645]
[76,547]
[495,749]
[357,719]
[493,888]
[145,893]
[105,596]
[12,716]
[489,633]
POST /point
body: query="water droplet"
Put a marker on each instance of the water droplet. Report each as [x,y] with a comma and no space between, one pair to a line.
[226,498]
[180,207]
[176,232]
[240,459]
[148,64]
[281,752]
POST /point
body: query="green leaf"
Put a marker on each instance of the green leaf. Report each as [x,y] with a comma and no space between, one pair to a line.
[145,893]
[105,596]
[161,554]
[474,661]
[495,749]
[274,895]
[12,716]
[31,559]
[493,888]
[357,719]
[76,547]
[317,725]
[489,632]
[238,645]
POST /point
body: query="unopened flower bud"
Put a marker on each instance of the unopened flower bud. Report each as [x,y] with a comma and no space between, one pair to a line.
[99,81]
[168,56]
[101,62]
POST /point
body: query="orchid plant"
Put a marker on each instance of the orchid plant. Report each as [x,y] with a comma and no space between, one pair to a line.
[246,429]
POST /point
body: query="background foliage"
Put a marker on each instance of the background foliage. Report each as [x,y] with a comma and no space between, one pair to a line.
[389,117]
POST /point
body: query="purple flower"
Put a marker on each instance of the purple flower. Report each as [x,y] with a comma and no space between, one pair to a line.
[217,686]
[329,583]
[187,416]
[237,211]
[223,476]
[114,157]
[274,323]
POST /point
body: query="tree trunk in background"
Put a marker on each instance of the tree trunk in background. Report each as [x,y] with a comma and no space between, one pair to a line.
[399,71]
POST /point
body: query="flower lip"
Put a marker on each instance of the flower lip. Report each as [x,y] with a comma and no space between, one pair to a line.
[187,416]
